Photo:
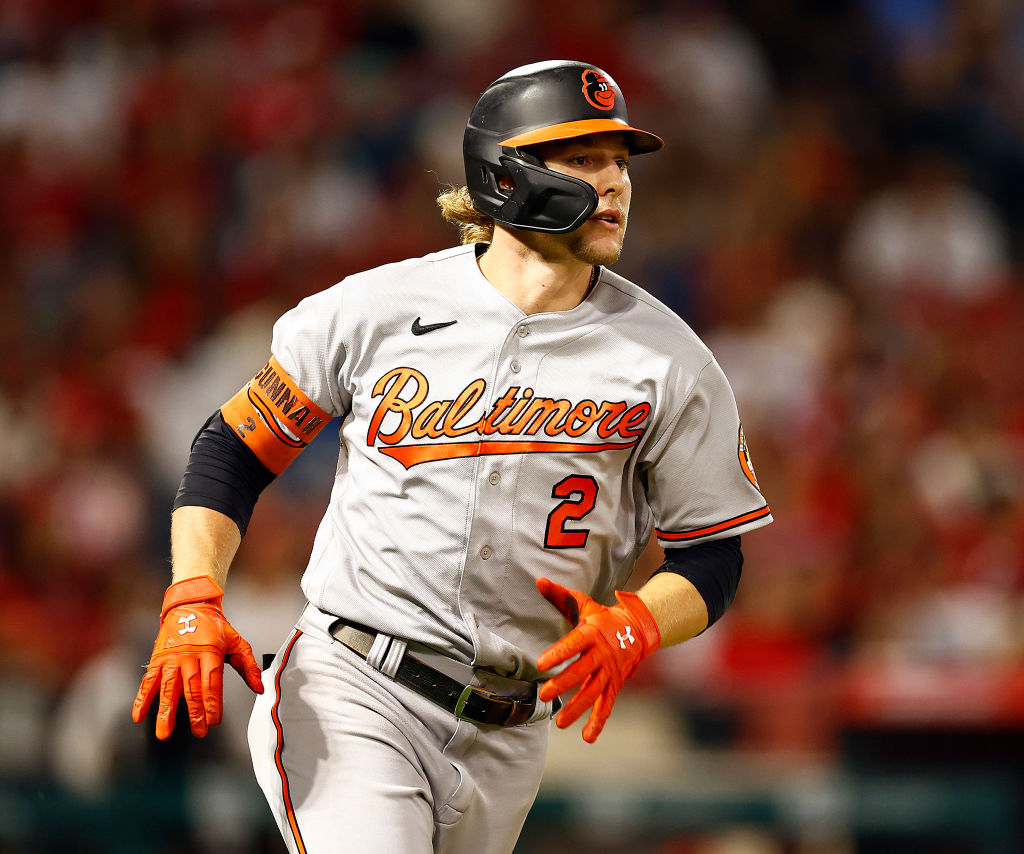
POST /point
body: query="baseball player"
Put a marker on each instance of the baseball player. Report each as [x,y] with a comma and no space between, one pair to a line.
[516,421]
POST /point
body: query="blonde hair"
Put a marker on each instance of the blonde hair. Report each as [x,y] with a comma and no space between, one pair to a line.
[457,209]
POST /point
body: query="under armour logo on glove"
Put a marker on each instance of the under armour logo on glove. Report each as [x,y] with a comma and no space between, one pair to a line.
[628,636]
[186,624]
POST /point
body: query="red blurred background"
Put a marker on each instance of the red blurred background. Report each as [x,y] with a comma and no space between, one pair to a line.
[838,212]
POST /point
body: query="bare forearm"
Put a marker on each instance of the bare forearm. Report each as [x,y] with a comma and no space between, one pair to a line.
[676,606]
[203,542]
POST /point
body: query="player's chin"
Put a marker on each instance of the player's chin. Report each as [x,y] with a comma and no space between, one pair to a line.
[600,251]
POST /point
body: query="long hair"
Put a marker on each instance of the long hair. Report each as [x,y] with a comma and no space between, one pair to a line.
[457,208]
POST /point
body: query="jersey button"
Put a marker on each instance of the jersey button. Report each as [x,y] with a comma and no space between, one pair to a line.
[523,331]
[485,552]
[495,478]
[515,366]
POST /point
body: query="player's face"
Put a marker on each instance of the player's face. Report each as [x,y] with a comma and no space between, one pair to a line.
[602,160]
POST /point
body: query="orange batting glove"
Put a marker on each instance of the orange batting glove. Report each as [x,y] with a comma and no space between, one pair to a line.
[610,641]
[194,640]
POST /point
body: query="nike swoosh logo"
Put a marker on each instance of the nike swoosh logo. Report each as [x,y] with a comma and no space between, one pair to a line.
[417,329]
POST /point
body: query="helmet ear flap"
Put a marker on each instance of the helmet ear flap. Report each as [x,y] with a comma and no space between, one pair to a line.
[544,200]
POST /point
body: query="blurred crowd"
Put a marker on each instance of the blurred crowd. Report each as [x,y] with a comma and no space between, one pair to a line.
[837,212]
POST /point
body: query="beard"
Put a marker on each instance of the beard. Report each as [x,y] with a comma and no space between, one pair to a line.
[590,252]
[580,245]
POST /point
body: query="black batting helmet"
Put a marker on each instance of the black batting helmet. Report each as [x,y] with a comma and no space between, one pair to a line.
[537,103]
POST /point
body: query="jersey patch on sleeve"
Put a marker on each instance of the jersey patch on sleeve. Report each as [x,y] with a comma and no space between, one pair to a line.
[274,417]
[745,462]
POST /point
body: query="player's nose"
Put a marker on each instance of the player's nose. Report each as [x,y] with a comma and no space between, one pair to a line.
[611,179]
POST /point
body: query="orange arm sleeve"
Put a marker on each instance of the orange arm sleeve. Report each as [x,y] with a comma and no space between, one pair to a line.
[274,417]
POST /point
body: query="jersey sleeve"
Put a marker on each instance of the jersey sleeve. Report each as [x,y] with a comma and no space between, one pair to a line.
[309,344]
[700,479]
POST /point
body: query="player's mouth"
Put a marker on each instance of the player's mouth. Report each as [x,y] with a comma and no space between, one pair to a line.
[609,217]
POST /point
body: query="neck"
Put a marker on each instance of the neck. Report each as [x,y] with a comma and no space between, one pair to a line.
[529,271]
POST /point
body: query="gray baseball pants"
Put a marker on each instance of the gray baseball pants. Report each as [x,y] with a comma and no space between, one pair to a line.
[351,761]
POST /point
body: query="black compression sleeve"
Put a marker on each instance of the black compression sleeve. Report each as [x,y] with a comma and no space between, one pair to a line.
[223,474]
[713,567]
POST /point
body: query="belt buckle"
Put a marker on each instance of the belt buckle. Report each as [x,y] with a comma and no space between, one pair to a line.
[511,703]
[460,704]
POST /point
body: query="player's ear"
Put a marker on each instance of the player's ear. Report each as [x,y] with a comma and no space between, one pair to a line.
[506,184]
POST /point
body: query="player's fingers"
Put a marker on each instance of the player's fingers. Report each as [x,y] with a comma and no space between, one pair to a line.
[170,695]
[213,688]
[599,716]
[581,701]
[241,658]
[147,690]
[192,687]
[575,674]
[561,597]
[589,693]
[574,643]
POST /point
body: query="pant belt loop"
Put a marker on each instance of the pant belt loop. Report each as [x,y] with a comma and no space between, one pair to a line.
[395,654]
[543,709]
[386,654]
[378,652]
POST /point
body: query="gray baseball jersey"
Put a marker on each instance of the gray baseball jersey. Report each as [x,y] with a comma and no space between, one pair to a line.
[482,448]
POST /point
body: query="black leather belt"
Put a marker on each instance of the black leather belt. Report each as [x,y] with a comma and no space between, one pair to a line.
[468,702]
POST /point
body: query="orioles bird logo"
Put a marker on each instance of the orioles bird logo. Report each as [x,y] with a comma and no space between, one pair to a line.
[745,462]
[597,90]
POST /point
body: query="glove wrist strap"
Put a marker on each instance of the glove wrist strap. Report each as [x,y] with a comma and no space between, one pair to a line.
[200,589]
[649,631]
